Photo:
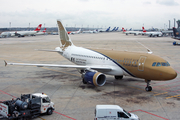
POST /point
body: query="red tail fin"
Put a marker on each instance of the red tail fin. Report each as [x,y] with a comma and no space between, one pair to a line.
[143,29]
[44,30]
[38,28]
[123,29]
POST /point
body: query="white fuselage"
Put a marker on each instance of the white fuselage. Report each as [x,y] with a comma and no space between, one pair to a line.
[153,33]
[26,32]
[133,32]
[6,34]
[87,57]
[40,33]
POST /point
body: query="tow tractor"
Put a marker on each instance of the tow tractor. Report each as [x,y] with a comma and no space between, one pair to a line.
[28,106]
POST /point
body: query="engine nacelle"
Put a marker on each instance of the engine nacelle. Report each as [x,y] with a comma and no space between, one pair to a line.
[95,78]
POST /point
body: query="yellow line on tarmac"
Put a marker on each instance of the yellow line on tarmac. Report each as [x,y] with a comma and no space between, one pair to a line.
[42,118]
[160,93]
[60,71]
[172,96]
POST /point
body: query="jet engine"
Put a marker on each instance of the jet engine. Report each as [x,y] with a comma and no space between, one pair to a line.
[94,78]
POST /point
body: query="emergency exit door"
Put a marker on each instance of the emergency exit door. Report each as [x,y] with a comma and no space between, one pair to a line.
[141,63]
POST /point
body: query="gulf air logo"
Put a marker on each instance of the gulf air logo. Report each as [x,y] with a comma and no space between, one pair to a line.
[177,33]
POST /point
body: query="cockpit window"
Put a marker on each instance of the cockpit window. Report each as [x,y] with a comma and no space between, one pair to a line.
[158,64]
[165,64]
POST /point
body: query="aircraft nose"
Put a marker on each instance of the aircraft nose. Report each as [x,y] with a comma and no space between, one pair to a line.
[171,74]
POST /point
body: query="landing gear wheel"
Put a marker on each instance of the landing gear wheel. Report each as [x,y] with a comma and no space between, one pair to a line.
[148,88]
[84,82]
[49,111]
[118,77]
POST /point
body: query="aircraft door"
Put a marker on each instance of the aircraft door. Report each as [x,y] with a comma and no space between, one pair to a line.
[141,63]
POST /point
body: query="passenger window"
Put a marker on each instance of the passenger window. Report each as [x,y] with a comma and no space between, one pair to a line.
[154,64]
[158,64]
[122,115]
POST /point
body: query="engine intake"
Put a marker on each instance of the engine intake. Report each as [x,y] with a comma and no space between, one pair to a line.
[95,78]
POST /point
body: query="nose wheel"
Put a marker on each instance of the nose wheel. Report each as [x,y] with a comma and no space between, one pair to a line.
[148,88]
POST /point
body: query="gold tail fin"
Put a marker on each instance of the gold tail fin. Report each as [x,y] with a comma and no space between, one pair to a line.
[65,41]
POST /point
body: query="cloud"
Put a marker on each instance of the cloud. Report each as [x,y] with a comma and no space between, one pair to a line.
[146,2]
[167,2]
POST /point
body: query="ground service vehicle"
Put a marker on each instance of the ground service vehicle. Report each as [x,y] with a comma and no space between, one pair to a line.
[28,106]
[113,112]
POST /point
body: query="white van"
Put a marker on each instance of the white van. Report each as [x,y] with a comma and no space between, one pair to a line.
[113,112]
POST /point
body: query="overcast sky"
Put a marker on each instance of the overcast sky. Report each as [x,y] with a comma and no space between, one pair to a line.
[97,13]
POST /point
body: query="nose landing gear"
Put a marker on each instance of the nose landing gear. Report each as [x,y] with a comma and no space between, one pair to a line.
[148,88]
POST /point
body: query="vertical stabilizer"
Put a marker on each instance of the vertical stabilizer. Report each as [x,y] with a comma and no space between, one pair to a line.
[38,28]
[143,29]
[65,41]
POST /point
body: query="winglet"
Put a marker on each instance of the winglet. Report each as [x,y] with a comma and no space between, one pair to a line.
[5,63]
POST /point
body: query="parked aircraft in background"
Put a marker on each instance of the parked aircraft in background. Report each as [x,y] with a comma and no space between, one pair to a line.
[21,33]
[131,32]
[113,29]
[7,34]
[176,33]
[152,33]
[41,32]
[93,64]
[104,30]
[167,32]
[90,31]
[117,29]
[74,32]
[26,33]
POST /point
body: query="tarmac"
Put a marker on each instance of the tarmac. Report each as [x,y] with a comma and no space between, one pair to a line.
[76,101]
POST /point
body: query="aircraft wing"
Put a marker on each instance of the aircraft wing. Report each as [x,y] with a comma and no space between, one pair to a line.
[101,68]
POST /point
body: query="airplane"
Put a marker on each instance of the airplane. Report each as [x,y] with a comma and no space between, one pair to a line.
[7,34]
[41,32]
[152,34]
[74,32]
[104,30]
[90,31]
[131,32]
[21,33]
[95,64]
[25,33]
[117,29]
[176,33]
[113,29]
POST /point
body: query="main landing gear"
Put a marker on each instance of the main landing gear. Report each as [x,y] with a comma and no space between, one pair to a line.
[118,77]
[148,88]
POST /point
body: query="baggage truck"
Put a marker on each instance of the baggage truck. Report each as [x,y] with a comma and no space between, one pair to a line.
[27,106]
